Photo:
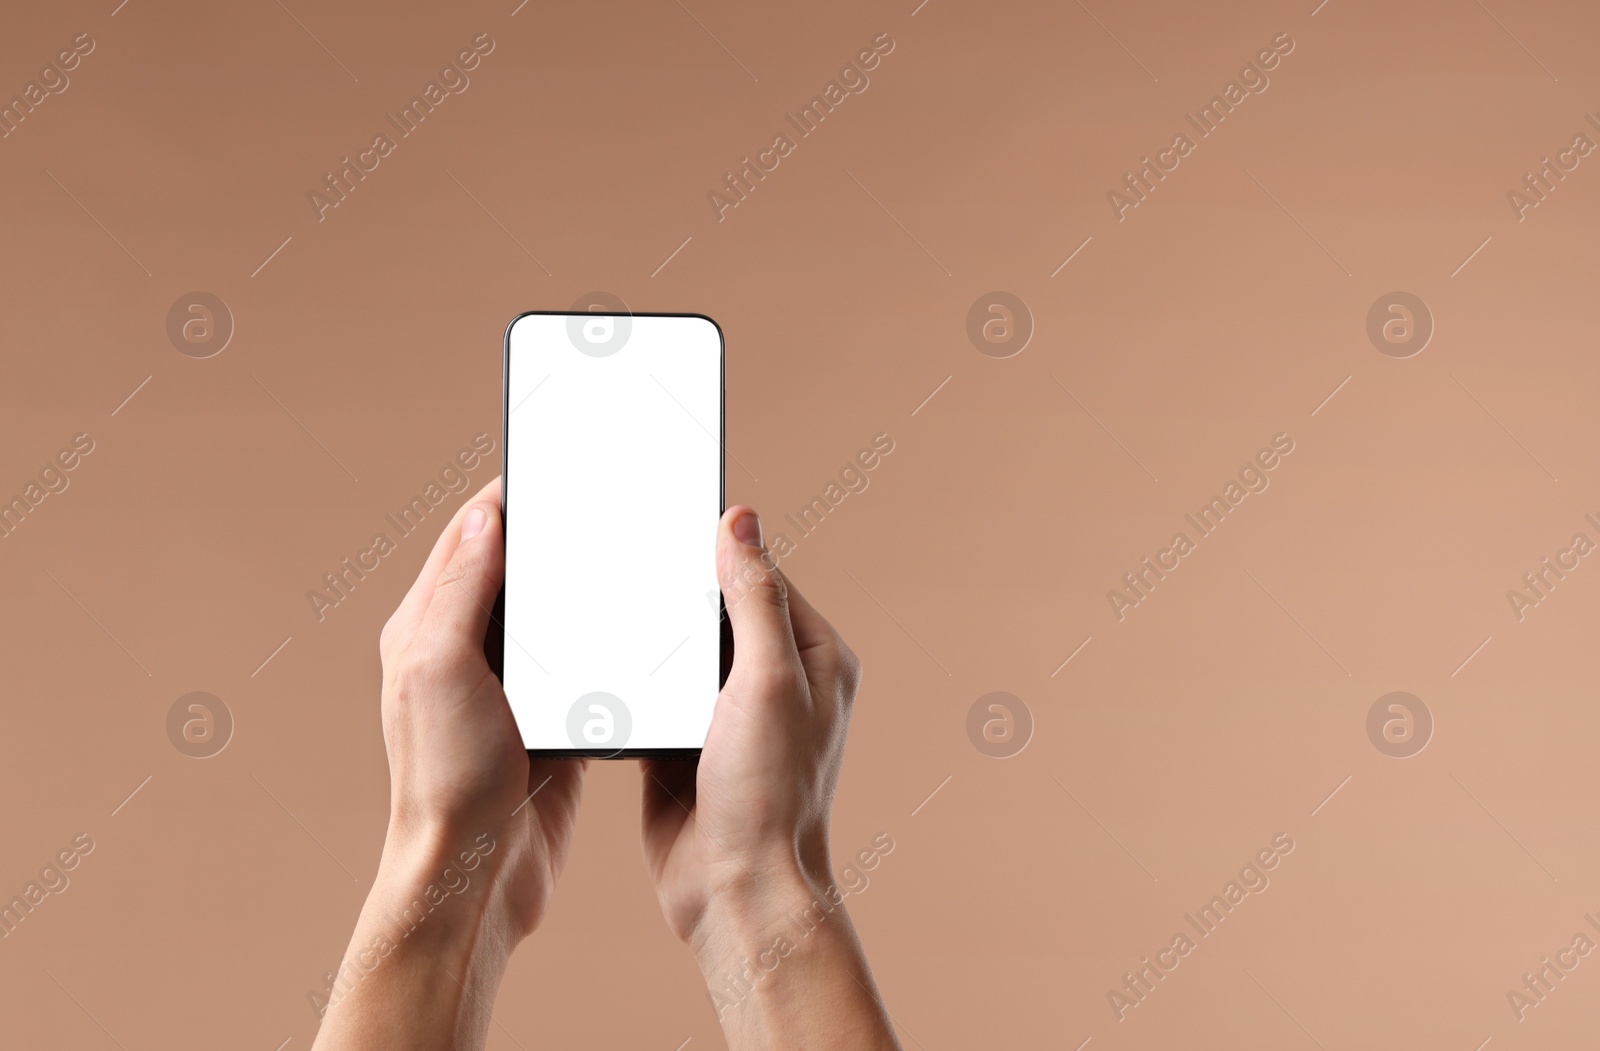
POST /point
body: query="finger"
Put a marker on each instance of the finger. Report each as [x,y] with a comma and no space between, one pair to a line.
[755,594]
[823,653]
[542,772]
[668,800]
[403,623]
[457,617]
[669,788]
[553,784]
[811,630]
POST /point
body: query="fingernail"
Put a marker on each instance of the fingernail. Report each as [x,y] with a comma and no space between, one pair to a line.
[747,529]
[472,525]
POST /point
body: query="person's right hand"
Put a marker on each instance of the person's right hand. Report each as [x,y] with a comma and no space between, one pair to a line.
[737,843]
[755,808]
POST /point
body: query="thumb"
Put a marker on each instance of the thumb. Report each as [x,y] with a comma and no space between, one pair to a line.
[458,613]
[756,596]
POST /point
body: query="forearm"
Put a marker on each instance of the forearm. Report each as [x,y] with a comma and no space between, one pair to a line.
[784,969]
[427,954]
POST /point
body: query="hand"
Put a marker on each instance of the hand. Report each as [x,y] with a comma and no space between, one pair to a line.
[755,808]
[457,763]
[737,843]
[477,834]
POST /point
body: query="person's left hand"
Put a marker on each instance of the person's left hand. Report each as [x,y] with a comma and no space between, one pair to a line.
[457,763]
[477,834]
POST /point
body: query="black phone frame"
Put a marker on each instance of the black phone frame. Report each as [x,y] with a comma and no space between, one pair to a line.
[494,643]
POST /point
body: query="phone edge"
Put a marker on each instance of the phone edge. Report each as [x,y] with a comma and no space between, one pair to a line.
[494,642]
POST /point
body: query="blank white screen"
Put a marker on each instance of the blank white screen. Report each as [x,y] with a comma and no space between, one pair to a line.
[613,489]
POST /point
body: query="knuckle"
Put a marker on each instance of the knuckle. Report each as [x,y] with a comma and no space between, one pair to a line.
[849,672]
[460,574]
[772,591]
[424,666]
[386,640]
[755,579]
[778,678]
[393,642]
[412,668]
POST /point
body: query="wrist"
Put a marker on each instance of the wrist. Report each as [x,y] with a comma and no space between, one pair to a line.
[433,933]
[441,888]
[760,918]
[783,968]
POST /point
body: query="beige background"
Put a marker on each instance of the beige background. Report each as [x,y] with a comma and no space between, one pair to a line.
[1225,309]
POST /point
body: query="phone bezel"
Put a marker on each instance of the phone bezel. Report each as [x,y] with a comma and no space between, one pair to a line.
[494,645]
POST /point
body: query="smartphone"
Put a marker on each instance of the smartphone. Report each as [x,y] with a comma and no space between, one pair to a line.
[610,635]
